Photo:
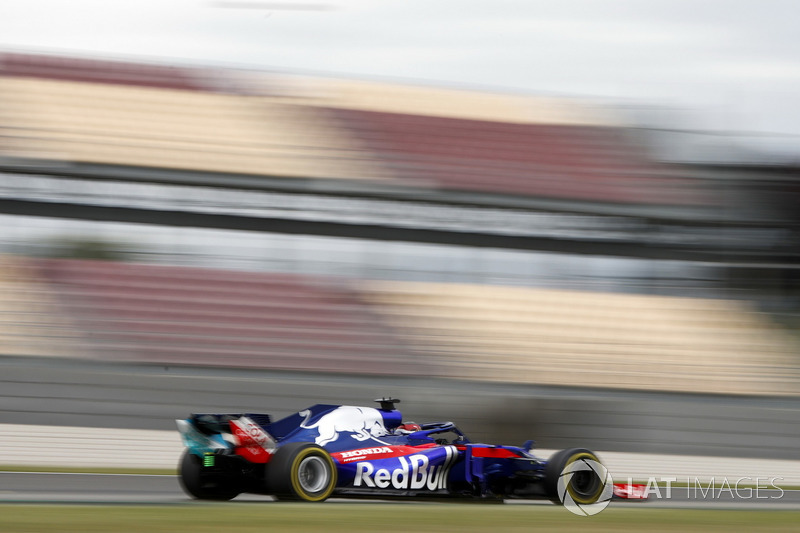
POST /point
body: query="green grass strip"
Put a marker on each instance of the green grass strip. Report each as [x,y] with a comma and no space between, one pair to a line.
[366,517]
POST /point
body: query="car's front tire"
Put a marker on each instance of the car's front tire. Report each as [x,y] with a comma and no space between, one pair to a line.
[585,487]
[201,485]
[301,471]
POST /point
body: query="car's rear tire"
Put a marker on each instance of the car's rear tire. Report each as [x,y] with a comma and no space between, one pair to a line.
[201,485]
[301,471]
[585,487]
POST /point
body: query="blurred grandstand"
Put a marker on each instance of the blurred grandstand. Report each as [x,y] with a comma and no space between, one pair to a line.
[298,223]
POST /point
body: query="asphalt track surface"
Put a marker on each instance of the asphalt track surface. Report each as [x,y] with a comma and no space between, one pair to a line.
[129,489]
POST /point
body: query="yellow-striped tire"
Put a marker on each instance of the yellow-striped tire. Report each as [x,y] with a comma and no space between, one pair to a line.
[301,471]
[584,488]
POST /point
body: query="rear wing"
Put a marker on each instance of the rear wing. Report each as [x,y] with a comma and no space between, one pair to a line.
[212,424]
[244,435]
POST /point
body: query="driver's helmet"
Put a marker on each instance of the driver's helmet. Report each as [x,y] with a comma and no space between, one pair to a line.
[408,427]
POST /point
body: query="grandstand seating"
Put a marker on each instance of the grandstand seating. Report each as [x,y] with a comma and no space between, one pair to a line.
[465,104]
[145,118]
[119,113]
[580,162]
[187,316]
[103,71]
[592,339]
[30,320]
[113,113]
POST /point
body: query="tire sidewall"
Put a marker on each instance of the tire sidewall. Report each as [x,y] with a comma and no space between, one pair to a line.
[556,465]
[283,470]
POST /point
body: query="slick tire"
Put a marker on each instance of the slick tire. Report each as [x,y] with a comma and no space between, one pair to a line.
[301,471]
[200,485]
[585,487]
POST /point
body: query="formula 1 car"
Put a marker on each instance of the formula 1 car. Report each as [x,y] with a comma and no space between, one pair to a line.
[348,451]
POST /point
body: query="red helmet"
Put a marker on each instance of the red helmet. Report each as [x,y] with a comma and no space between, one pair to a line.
[409,427]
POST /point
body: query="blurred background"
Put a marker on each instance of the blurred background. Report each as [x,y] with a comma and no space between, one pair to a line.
[179,236]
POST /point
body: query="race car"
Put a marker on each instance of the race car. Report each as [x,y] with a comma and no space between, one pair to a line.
[350,451]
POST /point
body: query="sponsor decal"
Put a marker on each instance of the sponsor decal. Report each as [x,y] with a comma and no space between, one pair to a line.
[254,444]
[365,453]
[379,452]
[414,473]
[361,423]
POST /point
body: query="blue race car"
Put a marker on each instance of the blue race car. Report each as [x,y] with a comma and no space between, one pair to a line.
[352,451]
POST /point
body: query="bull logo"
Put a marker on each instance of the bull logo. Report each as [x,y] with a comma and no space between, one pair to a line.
[361,423]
